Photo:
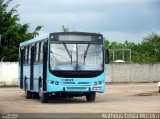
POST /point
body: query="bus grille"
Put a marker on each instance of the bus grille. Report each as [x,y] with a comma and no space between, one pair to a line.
[76,88]
[83,82]
[69,82]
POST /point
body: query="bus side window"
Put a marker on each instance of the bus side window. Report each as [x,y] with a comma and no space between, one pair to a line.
[26,50]
[35,49]
[39,52]
[29,57]
[24,55]
[21,54]
[27,54]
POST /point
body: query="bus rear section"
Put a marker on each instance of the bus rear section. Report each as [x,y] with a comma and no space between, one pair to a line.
[73,65]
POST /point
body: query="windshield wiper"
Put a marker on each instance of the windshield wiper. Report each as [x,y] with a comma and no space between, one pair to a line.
[85,54]
[68,52]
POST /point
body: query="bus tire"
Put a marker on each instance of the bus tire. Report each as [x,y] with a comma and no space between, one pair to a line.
[91,96]
[35,95]
[27,92]
[43,96]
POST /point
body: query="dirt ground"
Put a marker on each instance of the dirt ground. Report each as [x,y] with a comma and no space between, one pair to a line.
[118,98]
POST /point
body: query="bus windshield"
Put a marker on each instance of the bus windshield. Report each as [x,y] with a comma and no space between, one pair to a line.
[74,57]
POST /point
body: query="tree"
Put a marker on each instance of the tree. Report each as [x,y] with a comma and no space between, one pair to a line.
[151,48]
[12,32]
[146,51]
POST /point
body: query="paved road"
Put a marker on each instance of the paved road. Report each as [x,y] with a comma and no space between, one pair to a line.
[143,97]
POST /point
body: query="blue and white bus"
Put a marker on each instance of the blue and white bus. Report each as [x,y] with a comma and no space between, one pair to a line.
[66,64]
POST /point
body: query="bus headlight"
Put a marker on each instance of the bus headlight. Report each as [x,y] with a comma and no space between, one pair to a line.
[95,83]
[53,82]
[56,83]
[99,82]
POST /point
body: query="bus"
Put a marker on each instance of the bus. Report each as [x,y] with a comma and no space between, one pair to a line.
[65,64]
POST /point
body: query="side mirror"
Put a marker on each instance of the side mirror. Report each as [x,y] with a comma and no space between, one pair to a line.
[106,56]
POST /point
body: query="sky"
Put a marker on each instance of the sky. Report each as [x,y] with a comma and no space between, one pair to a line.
[117,20]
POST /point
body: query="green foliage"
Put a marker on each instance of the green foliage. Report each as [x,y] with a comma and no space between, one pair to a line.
[12,32]
[151,48]
[64,29]
[146,51]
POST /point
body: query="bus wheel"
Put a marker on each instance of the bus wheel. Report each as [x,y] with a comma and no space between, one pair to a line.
[91,96]
[27,92]
[43,96]
[35,95]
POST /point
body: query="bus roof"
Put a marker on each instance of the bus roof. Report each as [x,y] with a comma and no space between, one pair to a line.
[77,33]
[38,38]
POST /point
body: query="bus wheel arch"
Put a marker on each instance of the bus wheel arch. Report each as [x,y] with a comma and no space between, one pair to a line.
[43,96]
[36,95]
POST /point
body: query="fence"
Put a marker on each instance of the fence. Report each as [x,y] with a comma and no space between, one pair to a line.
[133,72]
[8,73]
[116,72]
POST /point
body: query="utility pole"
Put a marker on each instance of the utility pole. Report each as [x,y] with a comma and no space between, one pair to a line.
[113,55]
[130,55]
[123,55]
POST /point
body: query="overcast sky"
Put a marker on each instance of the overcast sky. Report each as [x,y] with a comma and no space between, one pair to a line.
[117,20]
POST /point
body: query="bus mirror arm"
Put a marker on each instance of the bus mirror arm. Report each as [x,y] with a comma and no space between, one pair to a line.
[106,56]
[85,54]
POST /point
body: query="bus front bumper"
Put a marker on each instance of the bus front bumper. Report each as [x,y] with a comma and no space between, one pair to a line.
[56,88]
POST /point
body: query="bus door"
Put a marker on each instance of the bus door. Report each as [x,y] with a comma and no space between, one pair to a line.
[45,49]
